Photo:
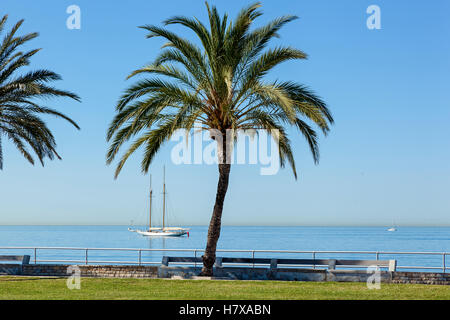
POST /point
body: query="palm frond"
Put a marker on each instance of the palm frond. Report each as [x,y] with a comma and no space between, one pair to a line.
[19,95]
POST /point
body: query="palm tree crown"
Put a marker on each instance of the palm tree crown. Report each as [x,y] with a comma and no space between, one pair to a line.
[219,86]
[19,111]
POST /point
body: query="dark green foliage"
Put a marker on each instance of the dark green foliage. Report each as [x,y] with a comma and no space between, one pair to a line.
[20,112]
[219,85]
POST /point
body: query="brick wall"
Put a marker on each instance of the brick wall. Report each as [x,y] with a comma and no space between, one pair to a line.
[110,271]
[421,277]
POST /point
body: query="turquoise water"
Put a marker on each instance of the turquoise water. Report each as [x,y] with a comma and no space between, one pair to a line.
[423,239]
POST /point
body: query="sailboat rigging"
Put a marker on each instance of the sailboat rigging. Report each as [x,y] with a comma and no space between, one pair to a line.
[163,230]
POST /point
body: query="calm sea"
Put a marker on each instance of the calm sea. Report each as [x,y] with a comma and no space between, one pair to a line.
[422,239]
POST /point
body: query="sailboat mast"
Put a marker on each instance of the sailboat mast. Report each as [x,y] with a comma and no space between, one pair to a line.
[164,196]
[150,210]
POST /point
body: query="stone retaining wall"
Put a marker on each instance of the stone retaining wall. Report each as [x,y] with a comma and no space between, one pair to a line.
[10,269]
[284,274]
[107,271]
[421,277]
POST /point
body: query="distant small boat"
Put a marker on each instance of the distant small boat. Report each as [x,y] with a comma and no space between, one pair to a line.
[161,231]
[393,228]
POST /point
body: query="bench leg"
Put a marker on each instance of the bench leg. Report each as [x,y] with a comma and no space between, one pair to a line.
[332,264]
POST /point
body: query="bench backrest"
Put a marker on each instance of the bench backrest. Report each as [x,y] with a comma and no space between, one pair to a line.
[166,260]
[390,264]
[330,263]
[23,259]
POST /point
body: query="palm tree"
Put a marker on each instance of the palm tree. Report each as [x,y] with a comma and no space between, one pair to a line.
[19,110]
[220,86]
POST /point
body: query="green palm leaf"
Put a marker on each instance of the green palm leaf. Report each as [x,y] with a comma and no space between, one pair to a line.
[19,96]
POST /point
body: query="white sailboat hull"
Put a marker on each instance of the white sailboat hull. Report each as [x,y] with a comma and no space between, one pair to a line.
[158,232]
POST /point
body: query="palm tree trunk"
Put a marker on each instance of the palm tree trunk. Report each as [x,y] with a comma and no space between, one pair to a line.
[209,256]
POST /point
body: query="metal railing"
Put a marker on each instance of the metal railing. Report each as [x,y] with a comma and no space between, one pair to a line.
[197,253]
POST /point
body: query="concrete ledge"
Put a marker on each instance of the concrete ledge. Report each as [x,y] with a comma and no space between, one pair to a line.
[291,274]
[282,274]
[356,276]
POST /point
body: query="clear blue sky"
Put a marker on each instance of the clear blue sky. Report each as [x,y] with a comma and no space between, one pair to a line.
[387,157]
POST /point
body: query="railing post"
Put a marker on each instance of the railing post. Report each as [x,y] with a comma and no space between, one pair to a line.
[86,256]
[139,263]
[253,258]
[443,262]
[195,259]
[35,249]
[377,254]
[314,258]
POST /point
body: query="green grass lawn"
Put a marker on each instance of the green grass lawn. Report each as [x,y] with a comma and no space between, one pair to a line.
[97,288]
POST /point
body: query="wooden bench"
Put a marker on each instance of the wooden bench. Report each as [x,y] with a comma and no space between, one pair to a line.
[23,259]
[274,263]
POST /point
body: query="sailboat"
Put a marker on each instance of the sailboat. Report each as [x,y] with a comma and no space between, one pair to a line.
[162,231]
[393,228]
